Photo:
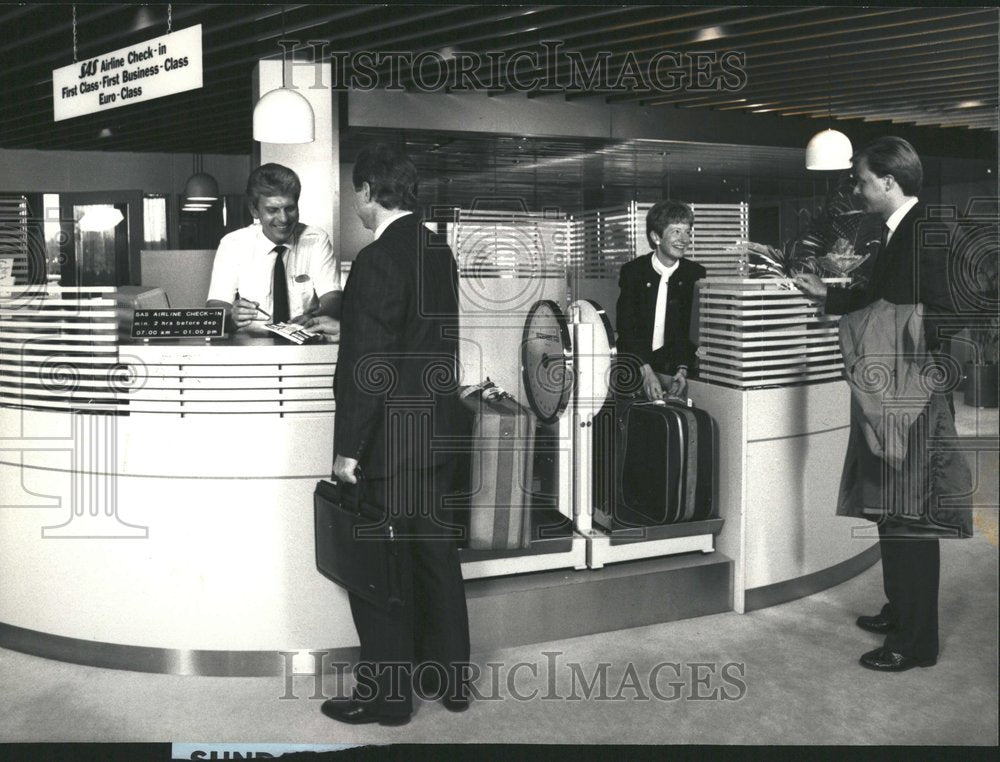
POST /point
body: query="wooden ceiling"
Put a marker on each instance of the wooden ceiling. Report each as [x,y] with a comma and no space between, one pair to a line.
[932,67]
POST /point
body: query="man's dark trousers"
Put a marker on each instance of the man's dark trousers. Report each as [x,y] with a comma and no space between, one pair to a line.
[432,627]
[911,569]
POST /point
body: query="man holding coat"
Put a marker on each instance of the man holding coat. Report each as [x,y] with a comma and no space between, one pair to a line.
[897,472]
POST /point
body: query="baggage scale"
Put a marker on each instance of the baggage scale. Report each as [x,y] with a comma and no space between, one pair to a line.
[566,369]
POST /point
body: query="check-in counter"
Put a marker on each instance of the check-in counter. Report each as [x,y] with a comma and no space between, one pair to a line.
[157,501]
[771,377]
[157,497]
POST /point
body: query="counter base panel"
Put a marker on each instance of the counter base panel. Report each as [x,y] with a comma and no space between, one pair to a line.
[810,584]
[171,661]
[556,605]
[503,612]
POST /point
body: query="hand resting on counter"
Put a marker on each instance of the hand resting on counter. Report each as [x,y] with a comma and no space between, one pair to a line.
[811,285]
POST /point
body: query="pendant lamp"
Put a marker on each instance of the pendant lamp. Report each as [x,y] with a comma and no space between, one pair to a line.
[829,149]
[283,115]
[201,187]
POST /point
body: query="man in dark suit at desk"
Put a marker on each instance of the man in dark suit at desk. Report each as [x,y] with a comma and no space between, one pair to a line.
[395,390]
[655,300]
[913,490]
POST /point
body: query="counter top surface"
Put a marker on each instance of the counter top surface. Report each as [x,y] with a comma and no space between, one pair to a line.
[240,349]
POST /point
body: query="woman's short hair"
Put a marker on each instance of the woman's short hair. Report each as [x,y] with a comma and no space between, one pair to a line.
[389,173]
[272,180]
[665,213]
[894,156]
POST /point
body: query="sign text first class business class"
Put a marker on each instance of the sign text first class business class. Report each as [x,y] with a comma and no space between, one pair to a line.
[152,69]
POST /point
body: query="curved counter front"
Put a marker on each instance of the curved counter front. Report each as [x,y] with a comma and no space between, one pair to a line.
[162,498]
[156,505]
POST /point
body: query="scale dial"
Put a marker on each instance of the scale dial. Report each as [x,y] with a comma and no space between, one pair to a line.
[547,360]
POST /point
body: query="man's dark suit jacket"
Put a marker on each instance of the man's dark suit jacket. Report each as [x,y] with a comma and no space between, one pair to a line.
[638,285]
[396,370]
[913,268]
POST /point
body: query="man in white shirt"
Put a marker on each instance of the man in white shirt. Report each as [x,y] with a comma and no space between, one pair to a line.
[277,269]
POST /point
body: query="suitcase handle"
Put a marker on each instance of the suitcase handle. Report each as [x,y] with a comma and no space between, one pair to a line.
[673,400]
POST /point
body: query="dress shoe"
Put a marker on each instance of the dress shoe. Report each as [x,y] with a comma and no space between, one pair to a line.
[456,704]
[884,660]
[355,712]
[879,624]
[453,701]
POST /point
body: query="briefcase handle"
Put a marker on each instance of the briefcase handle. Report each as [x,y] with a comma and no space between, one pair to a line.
[357,490]
[360,491]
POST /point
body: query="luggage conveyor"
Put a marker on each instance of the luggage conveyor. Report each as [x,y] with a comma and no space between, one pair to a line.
[549,539]
[566,368]
[594,357]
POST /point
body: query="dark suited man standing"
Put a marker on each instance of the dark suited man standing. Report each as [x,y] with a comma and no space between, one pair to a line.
[395,390]
[903,494]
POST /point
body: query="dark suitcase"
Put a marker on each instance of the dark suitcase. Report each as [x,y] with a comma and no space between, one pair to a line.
[501,472]
[660,457]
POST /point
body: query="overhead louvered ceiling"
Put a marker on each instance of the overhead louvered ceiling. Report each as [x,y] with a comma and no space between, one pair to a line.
[933,67]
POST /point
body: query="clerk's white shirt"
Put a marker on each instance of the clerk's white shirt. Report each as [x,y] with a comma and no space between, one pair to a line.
[245,260]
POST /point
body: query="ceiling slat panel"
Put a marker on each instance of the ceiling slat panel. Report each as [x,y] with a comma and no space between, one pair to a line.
[884,63]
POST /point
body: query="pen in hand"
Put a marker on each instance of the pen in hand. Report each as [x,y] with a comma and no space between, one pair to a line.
[256,306]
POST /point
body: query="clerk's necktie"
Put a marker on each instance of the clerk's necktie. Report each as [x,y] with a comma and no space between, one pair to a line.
[279,288]
[885,236]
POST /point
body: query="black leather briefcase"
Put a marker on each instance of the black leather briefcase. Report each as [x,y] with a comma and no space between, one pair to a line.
[355,544]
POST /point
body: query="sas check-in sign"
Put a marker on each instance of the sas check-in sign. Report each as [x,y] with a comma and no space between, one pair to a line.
[162,66]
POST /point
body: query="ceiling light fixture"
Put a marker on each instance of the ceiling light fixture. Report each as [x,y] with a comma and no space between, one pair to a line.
[710,33]
[201,186]
[829,149]
[283,115]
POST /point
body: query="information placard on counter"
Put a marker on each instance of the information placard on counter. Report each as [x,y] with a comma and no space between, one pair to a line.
[206,323]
